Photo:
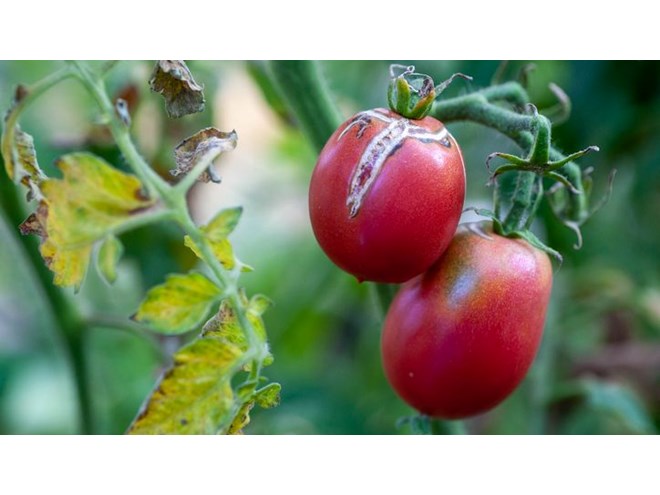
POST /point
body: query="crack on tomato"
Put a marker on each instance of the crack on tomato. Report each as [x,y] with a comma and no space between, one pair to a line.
[381,147]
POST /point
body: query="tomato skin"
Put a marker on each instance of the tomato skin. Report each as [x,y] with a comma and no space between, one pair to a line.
[406,218]
[460,338]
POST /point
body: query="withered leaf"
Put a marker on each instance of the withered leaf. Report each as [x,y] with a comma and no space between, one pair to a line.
[173,80]
[207,144]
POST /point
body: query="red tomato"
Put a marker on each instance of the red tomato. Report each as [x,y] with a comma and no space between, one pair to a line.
[386,195]
[460,338]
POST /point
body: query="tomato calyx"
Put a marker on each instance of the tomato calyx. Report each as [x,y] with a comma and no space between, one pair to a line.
[568,196]
[381,147]
[500,229]
[411,94]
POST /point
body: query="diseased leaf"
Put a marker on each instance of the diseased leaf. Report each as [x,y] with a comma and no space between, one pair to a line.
[109,255]
[178,305]
[224,324]
[68,265]
[195,395]
[90,201]
[269,396]
[216,232]
[241,420]
[20,159]
[206,145]
[173,80]
[222,250]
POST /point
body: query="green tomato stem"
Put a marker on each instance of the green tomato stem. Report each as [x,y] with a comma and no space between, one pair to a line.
[174,199]
[305,91]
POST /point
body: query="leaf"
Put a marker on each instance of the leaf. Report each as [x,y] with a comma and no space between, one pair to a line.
[215,233]
[91,200]
[268,396]
[178,305]
[20,159]
[222,250]
[620,403]
[226,325]
[108,256]
[173,80]
[259,304]
[205,145]
[195,395]
[241,420]
[223,223]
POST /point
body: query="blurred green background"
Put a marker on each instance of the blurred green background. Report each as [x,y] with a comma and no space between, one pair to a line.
[598,370]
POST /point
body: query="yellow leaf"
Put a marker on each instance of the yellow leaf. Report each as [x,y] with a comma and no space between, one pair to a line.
[178,305]
[87,204]
[195,396]
[222,250]
[90,199]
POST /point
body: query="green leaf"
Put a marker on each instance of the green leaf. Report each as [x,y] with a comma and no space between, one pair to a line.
[173,80]
[195,395]
[619,403]
[259,304]
[178,305]
[223,223]
[109,255]
[268,396]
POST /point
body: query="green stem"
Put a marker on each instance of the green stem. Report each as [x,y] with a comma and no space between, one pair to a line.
[67,320]
[174,198]
[121,132]
[443,427]
[305,91]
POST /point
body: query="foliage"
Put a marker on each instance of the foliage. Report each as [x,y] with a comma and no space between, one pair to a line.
[603,324]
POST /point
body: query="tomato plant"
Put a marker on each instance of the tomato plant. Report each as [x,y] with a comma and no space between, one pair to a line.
[386,195]
[460,338]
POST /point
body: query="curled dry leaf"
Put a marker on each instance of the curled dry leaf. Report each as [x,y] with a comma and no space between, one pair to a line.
[173,80]
[206,144]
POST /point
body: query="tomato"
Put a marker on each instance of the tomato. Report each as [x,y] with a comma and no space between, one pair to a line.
[460,338]
[386,195]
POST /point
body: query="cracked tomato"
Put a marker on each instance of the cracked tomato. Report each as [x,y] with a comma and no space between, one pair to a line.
[386,195]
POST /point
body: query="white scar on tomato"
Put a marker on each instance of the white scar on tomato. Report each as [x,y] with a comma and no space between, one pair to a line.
[380,148]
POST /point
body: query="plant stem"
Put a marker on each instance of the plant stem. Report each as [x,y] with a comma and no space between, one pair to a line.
[305,90]
[174,199]
[121,132]
[67,320]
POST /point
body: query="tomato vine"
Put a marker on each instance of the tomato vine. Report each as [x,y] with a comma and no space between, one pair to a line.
[504,107]
[232,348]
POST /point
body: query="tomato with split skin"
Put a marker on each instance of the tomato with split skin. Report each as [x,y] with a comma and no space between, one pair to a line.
[386,195]
[459,339]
